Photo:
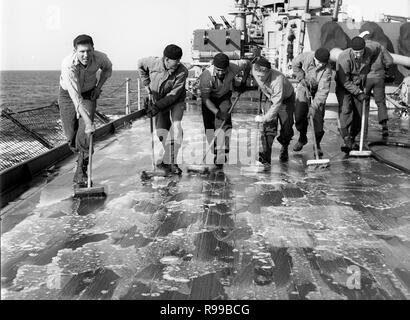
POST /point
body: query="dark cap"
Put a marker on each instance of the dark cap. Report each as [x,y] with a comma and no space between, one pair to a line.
[358,43]
[262,62]
[221,61]
[83,39]
[322,54]
[173,52]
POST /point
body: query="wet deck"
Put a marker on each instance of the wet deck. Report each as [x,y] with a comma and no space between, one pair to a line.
[289,233]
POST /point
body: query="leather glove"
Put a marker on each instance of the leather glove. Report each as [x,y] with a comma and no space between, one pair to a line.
[95,94]
[152,110]
[222,115]
[362,97]
[241,88]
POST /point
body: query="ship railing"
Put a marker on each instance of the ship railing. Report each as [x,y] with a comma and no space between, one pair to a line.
[26,134]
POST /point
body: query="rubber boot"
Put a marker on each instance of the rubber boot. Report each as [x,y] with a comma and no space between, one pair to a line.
[385,129]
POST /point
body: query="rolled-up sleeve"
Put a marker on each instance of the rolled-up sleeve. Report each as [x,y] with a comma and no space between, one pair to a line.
[106,66]
[178,88]
[70,77]
[276,98]
[144,66]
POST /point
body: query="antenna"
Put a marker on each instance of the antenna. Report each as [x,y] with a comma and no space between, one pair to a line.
[226,22]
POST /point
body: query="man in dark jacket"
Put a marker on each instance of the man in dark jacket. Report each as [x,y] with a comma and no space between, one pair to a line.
[165,80]
[352,67]
[375,79]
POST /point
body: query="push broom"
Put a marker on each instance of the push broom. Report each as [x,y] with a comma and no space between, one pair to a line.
[361,152]
[201,169]
[317,160]
[90,191]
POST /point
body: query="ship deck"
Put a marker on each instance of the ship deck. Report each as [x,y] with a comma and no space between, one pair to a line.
[292,232]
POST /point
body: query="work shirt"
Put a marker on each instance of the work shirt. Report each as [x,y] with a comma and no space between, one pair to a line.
[77,78]
[167,86]
[383,61]
[351,73]
[212,87]
[277,88]
[304,67]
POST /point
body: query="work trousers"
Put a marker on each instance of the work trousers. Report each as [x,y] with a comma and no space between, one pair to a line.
[213,127]
[350,112]
[378,87]
[269,129]
[169,130]
[301,112]
[74,129]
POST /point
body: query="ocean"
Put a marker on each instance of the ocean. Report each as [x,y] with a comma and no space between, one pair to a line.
[22,90]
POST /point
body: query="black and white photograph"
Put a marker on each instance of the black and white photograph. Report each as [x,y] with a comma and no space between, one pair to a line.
[205,159]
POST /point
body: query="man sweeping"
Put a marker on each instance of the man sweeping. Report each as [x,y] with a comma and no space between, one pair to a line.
[281,95]
[375,79]
[165,79]
[216,85]
[78,93]
[314,75]
[352,67]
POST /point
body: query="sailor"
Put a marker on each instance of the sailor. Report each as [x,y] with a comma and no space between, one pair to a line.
[375,79]
[164,78]
[314,75]
[352,67]
[281,94]
[78,94]
[216,84]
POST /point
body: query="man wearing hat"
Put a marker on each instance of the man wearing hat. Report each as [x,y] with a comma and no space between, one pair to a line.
[314,75]
[78,93]
[165,80]
[352,67]
[375,79]
[281,94]
[216,84]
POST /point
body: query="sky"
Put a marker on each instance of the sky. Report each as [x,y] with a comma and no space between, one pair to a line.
[36,35]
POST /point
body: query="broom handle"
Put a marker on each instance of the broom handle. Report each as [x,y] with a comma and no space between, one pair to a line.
[314,138]
[223,123]
[363,123]
[90,160]
[151,123]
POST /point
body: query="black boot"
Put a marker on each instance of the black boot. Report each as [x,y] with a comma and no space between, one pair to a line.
[284,156]
[385,129]
[347,146]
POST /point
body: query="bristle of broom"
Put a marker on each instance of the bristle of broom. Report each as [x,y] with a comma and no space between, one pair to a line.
[93,192]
